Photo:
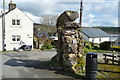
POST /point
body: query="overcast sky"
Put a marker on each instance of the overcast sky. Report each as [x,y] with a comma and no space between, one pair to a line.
[95,12]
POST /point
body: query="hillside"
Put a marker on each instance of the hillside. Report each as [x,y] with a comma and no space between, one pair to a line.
[52,29]
[110,30]
[44,28]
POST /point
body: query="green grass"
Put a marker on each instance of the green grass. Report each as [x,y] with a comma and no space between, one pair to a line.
[94,50]
[109,71]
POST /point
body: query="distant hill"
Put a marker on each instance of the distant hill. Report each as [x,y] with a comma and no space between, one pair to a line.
[110,30]
[44,28]
[52,29]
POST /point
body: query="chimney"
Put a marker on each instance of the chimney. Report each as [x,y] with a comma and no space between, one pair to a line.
[12,6]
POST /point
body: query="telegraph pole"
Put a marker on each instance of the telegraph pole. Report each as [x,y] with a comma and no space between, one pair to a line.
[3,27]
[81,8]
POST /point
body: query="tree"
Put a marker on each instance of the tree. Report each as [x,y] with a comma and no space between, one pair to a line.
[49,20]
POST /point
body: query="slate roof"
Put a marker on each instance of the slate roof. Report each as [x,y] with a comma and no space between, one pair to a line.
[11,11]
[94,32]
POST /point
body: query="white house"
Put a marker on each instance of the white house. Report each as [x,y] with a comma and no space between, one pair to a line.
[54,38]
[94,35]
[115,39]
[117,42]
[18,28]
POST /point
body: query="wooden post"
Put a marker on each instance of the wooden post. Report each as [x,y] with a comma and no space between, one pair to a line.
[105,58]
[118,59]
[112,58]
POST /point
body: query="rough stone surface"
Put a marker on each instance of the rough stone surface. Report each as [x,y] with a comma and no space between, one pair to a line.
[70,42]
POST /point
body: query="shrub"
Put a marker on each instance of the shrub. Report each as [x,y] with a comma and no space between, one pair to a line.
[80,65]
[116,48]
[105,46]
[47,46]
[89,46]
[54,43]
[96,47]
[86,50]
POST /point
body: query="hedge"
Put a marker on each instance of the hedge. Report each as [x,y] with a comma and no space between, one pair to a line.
[116,48]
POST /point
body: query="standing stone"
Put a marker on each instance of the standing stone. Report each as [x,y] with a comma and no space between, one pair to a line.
[70,42]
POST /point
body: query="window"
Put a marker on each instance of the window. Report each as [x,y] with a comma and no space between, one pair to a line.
[13,38]
[15,21]
[93,40]
[100,39]
[16,38]
[18,22]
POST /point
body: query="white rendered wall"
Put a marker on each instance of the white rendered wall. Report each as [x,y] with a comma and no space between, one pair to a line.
[90,39]
[105,39]
[99,40]
[25,29]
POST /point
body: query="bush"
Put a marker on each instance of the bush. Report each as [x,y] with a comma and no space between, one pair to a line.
[116,48]
[96,47]
[89,46]
[86,50]
[54,43]
[105,46]
[47,46]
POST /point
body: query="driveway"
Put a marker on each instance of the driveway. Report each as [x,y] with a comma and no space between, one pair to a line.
[30,64]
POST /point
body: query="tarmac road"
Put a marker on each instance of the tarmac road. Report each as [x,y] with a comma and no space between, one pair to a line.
[29,64]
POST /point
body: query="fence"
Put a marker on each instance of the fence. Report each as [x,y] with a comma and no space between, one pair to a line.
[111,57]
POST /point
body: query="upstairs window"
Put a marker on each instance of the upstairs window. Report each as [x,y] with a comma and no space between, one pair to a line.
[18,22]
[16,37]
[15,21]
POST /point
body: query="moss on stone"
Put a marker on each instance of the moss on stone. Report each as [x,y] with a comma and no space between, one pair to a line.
[80,66]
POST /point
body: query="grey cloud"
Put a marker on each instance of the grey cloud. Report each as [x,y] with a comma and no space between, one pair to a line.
[44,8]
[37,9]
[106,7]
[98,9]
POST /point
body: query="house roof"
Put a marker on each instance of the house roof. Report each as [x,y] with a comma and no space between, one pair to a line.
[3,15]
[13,10]
[118,40]
[114,35]
[112,39]
[94,32]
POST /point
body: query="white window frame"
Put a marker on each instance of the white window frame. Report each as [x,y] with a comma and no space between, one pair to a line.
[15,23]
[16,38]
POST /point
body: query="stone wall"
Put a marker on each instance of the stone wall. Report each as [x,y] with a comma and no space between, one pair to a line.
[70,42]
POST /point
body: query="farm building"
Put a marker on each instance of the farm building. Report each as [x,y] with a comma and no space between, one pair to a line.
[94,35]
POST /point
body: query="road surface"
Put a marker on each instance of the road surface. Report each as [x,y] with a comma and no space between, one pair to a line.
[30,64]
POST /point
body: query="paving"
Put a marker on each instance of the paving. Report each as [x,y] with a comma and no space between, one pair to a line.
[29,64]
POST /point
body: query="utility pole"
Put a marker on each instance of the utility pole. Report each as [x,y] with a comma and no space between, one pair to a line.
[81,8]
[3,27]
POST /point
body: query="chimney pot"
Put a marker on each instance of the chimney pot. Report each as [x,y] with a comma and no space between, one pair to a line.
[10,1]
[12,6]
